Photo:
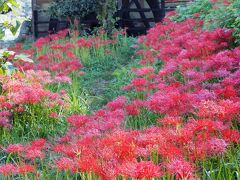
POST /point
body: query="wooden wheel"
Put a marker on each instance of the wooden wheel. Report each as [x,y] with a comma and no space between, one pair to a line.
[140,15]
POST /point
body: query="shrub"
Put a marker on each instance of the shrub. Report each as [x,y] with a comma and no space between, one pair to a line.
[73,8]
[215,14]
[78,9]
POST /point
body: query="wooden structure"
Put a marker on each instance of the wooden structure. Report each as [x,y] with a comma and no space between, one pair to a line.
[137,15]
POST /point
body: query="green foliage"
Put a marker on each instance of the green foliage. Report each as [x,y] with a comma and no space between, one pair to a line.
[73,8]
[214,14]
[78,9]
[5,6]
[106,14]
[183,12]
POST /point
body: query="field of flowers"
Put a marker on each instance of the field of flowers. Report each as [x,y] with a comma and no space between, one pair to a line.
[173,114]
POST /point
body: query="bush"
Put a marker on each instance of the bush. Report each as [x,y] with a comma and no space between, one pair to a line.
[78,9]
[73,8]
[214,13]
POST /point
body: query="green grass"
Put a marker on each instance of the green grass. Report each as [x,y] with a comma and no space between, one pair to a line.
[106,74]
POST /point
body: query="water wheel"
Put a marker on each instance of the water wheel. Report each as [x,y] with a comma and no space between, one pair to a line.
[140,15]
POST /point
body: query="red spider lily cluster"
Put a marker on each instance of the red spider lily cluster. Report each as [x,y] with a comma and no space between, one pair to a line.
[195,96]
[30,151]
[21,90]
[54,65]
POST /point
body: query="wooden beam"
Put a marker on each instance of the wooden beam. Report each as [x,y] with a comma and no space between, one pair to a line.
[34,20]
[142,14]
[154,4]
[34,24]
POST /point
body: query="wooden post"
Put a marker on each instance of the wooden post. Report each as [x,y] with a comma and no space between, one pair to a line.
[163,9]
[34,30]
[35,24]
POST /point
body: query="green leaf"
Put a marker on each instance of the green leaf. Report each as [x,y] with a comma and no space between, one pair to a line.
[4,7]
[2,33]
[14,29]
[13,3]
[9,68]
[1,72]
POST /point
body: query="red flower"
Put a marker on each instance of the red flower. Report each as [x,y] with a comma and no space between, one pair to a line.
[181,168]
[216,146]
[14,148]
[65,164]
[143,71]
[32,153]
[25,169]
[132,109]
[78,120]
[173,121]
[118,103]
[141,170]
[7,169]
[38,143]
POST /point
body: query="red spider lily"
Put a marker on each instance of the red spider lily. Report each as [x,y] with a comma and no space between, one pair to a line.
[181,168]
[132,109]
[196,91]
[53,115]
[85,43]
[170,151]
[118,103]
[8,169]
[25,169]
[5,122]
[38,143]
[70,55]
[224,110]
[78,120]
[14,148]
[65,164]
[230,135]
[174,121]
[143,71]
[216,146]
[32,153]
[140,170]
[41,42]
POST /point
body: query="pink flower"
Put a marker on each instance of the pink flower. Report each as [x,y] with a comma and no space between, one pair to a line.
[31,153]
[65,164]
[132,110]
[117,103]
[181,168]
[78,120]
[140,170]
[14,148]
[216,146]
[7,169]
